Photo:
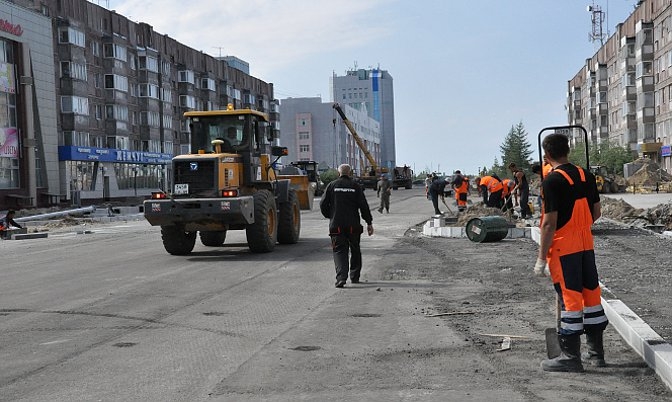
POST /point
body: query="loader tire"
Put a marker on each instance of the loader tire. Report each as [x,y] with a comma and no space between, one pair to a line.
[176,241]
[289,224]
[263,233]
[213,239]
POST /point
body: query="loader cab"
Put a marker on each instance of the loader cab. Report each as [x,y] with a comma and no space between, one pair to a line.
[242,130]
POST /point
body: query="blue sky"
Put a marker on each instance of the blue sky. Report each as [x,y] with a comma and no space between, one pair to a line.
[464,71]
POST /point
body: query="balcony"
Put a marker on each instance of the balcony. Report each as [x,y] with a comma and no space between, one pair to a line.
[645,83]
[630,93]
[646,115]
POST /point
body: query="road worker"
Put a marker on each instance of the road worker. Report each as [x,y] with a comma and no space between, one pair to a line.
[571,204]
[460,184]
[508,189]
[490,188]
[383,191]
[522,190]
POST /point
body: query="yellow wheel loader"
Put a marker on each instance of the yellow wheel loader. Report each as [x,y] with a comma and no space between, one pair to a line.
[227,182]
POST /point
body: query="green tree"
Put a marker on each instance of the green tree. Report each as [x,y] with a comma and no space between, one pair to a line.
[515,148]
[329,176]
[608,154]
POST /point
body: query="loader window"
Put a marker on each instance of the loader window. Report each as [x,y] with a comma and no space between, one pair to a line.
[231,130]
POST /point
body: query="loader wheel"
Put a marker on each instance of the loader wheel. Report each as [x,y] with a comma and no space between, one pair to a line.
[289,225]
[213,239]
[176,241]
[263,233]
[409,186]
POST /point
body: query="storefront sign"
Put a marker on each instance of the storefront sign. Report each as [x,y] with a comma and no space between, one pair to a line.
[666,150]
[9,142]
[11,28]
[68,153]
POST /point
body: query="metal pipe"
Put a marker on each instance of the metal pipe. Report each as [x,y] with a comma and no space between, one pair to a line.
[50,215]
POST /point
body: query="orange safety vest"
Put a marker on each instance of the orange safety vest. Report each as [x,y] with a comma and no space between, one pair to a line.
[506,187]
[493,185]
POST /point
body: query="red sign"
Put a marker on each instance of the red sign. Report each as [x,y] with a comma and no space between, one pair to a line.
[11,28]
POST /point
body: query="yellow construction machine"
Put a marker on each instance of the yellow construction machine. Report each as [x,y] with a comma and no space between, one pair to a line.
[606,183]
[227,182]
[369,177]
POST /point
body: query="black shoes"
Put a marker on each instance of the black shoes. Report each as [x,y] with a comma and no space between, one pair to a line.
[340,284]
[354,280]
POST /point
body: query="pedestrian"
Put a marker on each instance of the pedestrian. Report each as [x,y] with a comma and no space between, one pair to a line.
[342,202]
[460,184]
[436,189]
[8,222]
[571,205]
[428,182]
[490,188]
[383,191]
[523,190]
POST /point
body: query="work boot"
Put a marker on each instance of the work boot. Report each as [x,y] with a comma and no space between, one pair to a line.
[569,360]
[595,353]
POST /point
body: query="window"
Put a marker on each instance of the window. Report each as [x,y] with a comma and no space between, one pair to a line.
[150,119]
[165,68]
[186,76]
[75,104]
[116,112]
[118,82]
[112,50]
[208,83]
[187,101]
[95,48]
[98,111]
[75,139]
[166,95]
[304,148]
[303,135]
[72,70]
[72,36]
[209,105]
[167,121]
[149,63]
[149,91]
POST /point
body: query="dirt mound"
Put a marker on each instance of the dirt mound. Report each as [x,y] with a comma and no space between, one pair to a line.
[648,174]
[619,210]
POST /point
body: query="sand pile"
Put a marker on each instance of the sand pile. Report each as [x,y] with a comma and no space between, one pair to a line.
[649,174]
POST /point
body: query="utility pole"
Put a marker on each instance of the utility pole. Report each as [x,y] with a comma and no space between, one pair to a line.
[220,50]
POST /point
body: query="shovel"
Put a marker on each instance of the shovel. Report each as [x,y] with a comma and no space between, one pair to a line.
[447,207]
[552,342]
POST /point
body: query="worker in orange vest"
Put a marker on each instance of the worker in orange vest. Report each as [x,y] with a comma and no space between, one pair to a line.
[490,188]
[571,205]
[508,188]
[460,184]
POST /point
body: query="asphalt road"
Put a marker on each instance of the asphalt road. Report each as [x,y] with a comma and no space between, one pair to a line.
[110,316]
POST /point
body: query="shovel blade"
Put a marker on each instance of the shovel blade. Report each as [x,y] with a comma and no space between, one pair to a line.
[552,343]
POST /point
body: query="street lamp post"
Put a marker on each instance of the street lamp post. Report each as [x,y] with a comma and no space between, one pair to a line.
[135,180]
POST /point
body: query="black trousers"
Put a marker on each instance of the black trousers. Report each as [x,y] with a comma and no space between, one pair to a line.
[435,201]
[524,199]
[347,255]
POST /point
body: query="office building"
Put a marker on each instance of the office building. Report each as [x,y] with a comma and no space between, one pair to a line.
[313,130]
[108,99]
[371,90]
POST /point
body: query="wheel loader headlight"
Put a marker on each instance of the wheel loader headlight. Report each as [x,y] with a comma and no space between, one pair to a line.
[159,195]
[229,193]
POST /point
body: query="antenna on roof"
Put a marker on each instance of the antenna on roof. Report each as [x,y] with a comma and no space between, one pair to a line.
[597,21]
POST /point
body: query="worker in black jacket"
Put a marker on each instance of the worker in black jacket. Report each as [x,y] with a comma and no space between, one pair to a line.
[342,202]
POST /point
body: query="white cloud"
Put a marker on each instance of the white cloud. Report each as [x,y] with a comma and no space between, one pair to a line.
[269,34]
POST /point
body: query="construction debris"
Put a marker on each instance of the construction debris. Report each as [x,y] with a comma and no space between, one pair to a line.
[649,176]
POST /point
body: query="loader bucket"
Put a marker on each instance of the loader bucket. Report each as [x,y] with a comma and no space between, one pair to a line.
[305,190]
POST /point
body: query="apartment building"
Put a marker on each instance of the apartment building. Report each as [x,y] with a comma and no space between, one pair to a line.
[623,94]
[313,130]
[118,91]
[371,90]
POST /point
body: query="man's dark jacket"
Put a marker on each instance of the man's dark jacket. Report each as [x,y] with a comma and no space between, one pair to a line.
[342,201]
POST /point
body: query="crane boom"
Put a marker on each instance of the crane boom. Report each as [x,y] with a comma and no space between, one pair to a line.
[356,136]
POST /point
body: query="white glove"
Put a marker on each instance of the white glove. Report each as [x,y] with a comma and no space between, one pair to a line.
[540,268]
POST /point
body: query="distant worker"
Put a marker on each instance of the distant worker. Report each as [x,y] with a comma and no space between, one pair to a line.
[383,191]
[522,190]
[342,202]
[490,188]
[461,186]
[8,223]
[571,205]
[406,171]
[436,190]
[508,188]
[428,182]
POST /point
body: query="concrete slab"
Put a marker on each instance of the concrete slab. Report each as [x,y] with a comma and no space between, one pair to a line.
[27,236]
